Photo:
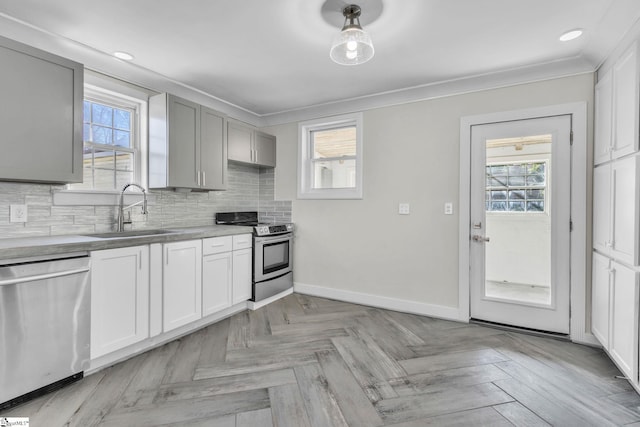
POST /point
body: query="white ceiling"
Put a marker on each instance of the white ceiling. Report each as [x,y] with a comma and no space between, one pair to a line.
[271,58]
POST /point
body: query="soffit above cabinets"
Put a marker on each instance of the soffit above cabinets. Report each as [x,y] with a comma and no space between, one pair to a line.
[268,61]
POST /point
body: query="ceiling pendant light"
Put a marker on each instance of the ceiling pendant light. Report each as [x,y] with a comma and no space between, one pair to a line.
[353,45]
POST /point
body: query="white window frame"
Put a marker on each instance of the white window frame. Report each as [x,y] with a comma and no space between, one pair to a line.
[105,90]
[305,157]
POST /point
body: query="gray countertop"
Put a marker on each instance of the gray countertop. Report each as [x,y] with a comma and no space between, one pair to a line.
[26,247]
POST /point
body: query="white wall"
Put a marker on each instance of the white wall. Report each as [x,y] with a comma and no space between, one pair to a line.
[410,155]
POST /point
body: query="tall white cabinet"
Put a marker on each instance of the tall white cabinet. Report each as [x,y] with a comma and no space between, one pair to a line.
[616,213]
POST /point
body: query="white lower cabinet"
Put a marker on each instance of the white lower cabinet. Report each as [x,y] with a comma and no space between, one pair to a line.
[181,284]
[119,298]
[226,271]
[614,320]
[623,346]
[242,260]
[216,282]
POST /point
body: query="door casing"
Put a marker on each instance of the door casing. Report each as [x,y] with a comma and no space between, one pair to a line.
[579,209]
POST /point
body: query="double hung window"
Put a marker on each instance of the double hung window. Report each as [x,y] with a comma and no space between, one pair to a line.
[330,164]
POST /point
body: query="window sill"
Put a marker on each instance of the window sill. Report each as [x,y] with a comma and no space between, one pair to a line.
[332,194]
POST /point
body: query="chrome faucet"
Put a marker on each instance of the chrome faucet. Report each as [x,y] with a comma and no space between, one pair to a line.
[121,208]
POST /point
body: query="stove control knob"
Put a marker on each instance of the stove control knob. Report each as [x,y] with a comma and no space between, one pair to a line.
[263,230]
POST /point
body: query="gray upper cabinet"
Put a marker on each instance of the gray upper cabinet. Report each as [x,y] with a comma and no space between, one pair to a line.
[40,115]
[251,147]
[187,148]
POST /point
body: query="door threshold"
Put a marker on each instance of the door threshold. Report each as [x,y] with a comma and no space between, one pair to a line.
[529,331]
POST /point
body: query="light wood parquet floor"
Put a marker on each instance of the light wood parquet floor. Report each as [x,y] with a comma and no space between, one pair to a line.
[306,361]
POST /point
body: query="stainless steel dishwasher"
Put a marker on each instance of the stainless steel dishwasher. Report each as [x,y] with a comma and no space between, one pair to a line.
[44,325]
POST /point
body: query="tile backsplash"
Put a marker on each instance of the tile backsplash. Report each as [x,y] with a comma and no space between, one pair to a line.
[248,189]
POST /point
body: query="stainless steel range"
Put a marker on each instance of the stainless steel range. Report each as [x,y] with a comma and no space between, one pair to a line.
[272,253]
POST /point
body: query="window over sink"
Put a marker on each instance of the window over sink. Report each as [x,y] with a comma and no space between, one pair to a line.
[112,143]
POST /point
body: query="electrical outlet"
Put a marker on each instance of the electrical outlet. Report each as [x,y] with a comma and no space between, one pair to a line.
[17,213]
[448,208]
[403,209]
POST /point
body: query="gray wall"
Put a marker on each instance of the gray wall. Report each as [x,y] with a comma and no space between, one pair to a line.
[249,189]
[411,154]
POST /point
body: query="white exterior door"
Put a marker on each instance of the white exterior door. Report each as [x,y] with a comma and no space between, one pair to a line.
[520,223]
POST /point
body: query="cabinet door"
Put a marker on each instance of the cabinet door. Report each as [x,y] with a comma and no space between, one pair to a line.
[41,120]
[624,188]
[216,282]
[265,146]
[603,118]
[119,298]
[625,99]
[600,306]
[184,143]
[624,320]
[182,283]
[242,261]
[240,143]
[602,208]
[213,151]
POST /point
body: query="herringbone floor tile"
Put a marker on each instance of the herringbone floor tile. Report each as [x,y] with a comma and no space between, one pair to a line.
[306,361]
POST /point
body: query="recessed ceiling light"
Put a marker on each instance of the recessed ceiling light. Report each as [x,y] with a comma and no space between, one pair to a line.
[571,35]
[123,55]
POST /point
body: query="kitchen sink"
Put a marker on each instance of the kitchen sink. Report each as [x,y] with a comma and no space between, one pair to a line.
[129,233]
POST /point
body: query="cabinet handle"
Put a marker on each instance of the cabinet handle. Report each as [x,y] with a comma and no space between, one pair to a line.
[140,260]
[204,179]
[198,178]
[166,261]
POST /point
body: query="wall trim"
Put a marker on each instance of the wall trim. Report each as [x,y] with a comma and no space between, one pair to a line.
[579,177]
[387,303]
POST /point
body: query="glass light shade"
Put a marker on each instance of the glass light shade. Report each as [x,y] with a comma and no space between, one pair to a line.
[352,46]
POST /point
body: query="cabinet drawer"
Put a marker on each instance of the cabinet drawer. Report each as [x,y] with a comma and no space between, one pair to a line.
[242,241]
[216,245]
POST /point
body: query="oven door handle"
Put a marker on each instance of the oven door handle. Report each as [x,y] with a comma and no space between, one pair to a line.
[272,239]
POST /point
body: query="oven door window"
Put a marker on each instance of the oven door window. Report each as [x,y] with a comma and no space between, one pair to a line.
[275,257]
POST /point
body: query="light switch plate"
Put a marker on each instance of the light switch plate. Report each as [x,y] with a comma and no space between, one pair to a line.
[448,208]
[17,213]
[404,209]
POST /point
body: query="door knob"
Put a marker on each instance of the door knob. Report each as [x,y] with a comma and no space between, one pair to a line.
[478,238]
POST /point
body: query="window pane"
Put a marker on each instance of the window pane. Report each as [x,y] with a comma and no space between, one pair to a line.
[499,170]
[517,170]
[498,195]
[516,195]
[334,174]
[122,119]
[334,142]
[516,206]
[498,206]
[516,180]
[101,134]
[124,161]
[535,206]
[86,132]
[102,114]
[86,111]
[535,180]
[104,169]
[535,194]
[122,138]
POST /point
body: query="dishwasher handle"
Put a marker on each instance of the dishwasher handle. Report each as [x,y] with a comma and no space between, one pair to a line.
[46,276]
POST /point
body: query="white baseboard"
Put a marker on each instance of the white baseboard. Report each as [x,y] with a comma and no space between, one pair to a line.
[388,303]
